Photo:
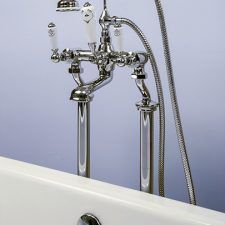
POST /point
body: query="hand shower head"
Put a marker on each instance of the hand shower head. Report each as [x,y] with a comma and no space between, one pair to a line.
[67,6]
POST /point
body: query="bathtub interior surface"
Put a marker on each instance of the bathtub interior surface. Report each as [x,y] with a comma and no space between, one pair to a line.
[33,195]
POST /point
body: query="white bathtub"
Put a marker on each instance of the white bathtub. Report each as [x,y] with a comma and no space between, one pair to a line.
[32,195]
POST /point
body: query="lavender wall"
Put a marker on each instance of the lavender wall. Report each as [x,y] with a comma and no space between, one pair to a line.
[38,122]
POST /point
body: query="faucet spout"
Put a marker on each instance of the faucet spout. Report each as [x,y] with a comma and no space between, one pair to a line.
[85,92]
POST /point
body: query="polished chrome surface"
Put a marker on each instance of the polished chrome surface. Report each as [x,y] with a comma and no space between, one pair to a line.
[143,89]
[106,60]
[139,73]
[84,92]
[76,71]
[67,5]
[147,109]
[71,56]
[159,89]
[83,139]
[55,56]
[147,151]
[88,219]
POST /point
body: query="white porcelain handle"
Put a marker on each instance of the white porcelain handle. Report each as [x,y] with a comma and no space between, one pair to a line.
[52,32]
[118,33]
[88,16]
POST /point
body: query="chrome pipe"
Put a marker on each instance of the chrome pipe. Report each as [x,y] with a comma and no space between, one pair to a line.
[147,151]
[83,95]
[143,89]
[83,139]
[162,116]
[147,145]
[146,109]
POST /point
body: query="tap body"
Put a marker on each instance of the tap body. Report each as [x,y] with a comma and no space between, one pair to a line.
[106,60]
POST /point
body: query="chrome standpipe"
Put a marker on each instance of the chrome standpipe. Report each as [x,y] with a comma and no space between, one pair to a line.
[147,146]
[147,109]
[83,95]
[83,99]
[83,139]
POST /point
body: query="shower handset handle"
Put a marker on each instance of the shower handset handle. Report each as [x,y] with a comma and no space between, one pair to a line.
[52,32]
[88,16]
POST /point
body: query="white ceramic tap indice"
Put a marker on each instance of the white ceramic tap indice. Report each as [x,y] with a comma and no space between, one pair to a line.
[33,195]
[88,16]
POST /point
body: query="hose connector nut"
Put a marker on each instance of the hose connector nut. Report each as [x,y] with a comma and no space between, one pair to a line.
[139,73]
[147,106]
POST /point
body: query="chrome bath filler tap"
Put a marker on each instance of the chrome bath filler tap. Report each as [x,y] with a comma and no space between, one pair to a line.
[106,59]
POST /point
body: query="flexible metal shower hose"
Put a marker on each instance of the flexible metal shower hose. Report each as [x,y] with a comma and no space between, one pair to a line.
[175,106]
[160,99]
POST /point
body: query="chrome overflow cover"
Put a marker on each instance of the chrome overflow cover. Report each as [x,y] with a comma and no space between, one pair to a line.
[88,219]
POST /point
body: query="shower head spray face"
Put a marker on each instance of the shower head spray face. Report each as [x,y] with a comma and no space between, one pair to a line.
[67,6]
